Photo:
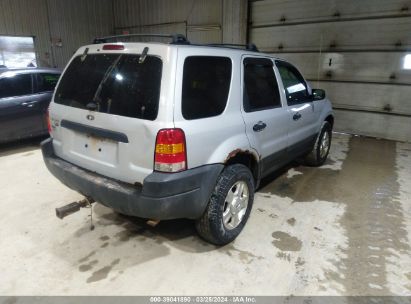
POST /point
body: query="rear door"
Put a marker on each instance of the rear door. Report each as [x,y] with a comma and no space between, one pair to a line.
[264,115]
[18,107]
[302,124]
[106,110]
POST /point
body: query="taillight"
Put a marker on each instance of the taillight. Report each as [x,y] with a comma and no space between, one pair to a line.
[48,121]
[113,47]
[170,154]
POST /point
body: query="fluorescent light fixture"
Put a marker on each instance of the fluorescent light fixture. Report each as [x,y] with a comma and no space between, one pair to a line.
[407,62]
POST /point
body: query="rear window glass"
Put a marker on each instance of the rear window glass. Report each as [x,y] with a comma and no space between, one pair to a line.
[113,83]
[206,83]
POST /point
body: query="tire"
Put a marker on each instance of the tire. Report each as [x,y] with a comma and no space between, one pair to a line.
[211,226]
[318,155]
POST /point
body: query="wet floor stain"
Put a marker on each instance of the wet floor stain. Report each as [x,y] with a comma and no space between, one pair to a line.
[373,220]
[10,300]
[132,238]
[87,257]
[291,221]
[102,273]
[286,242]
[246,257]
[284,256]
[88,266]
[299,263]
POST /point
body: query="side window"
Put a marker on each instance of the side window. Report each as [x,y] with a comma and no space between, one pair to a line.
[260,85]
[206,83]
[15,85]
[46,82]
[294,84]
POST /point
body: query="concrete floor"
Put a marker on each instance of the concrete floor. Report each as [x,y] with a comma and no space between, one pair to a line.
[343,229]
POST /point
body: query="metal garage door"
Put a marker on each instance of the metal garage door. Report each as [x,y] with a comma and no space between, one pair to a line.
[358,51]
[200,20]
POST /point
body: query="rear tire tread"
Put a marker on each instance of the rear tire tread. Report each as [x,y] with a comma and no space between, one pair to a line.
[210,226]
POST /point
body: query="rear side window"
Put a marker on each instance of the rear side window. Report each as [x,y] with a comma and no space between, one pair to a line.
[46,82]
[15,85]
[294,84]
[206,84]
[260,85]
[116,83]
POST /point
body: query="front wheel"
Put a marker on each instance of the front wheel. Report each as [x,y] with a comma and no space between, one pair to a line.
[229,206]
[319,154]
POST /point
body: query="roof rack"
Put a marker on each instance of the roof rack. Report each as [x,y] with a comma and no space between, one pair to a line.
[249,47]
[175,38]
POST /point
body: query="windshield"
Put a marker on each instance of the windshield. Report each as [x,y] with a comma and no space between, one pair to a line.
[113,83]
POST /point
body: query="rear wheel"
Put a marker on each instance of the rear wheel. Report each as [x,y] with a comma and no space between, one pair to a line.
[229,206]
[322,145]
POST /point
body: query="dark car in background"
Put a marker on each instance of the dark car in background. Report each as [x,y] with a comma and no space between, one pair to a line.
[25,95]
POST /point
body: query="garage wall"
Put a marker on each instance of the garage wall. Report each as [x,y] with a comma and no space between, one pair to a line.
[353,49]
[59,27]
[76,23]
[17,20]
[202,21]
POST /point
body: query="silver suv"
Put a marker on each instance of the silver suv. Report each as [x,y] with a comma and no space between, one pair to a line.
[165,131]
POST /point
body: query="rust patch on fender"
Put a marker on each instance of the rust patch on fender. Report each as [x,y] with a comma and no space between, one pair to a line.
[232,154]
[235,152]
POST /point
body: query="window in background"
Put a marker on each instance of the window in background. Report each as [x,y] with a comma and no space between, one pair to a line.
[17,52]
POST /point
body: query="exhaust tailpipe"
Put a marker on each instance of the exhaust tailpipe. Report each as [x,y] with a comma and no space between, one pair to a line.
[71,208]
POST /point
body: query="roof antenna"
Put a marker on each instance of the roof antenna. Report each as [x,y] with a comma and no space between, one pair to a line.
[143,55]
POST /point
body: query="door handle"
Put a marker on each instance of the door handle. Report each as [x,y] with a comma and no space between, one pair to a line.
[297,116]
[258,127]
[29,103]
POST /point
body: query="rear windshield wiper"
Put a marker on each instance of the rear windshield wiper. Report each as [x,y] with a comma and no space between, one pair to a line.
[93,106]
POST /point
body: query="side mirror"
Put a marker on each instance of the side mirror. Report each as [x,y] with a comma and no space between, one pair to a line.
[318,94]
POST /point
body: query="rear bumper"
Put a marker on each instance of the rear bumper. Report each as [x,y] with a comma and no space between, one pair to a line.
[163,195]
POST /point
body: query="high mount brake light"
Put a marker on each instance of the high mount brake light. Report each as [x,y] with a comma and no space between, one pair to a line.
[170,153]
[113,47]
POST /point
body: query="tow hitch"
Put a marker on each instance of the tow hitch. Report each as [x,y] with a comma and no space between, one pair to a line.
[73,207]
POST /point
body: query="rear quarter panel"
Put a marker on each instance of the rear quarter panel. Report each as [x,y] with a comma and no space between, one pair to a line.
[211,140]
